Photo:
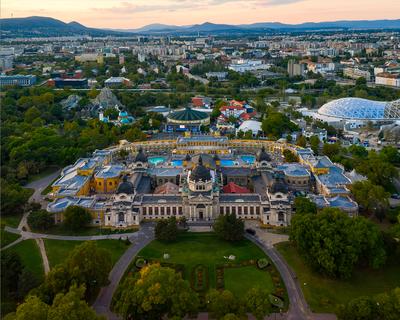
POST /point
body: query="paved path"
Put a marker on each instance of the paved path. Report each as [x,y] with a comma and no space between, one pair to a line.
[38,186]
[141,239]
[34,235]
[298,308]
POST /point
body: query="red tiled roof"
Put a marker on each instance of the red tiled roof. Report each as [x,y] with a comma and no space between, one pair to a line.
[234,188]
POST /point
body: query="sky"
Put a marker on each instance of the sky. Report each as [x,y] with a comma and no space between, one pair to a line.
[128,14]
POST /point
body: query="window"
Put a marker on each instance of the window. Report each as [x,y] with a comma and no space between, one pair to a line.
[99,183]
[109,218]
[110,183]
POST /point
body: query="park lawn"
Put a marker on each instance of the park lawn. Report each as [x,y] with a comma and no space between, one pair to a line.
[240,280]
[30,256]
[58,250]
[192,249]
[11,221]
[59,229]
[324,294]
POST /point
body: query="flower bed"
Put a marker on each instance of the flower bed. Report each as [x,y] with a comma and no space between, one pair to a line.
[199,278]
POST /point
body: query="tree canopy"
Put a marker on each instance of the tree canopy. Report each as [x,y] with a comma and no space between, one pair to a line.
[333,243]
[154,292]
[229,227]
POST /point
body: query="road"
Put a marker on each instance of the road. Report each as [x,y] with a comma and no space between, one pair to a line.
[142,238]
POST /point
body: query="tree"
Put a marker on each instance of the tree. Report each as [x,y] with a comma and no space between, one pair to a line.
[31,114]
[373,199]
[358,309]
[333,243]
[314,143]
[276,123]
[304,205]
[90,265]
[257,303]
[76,217]
[221,303]
[154,292]
[290,156]
[229,227]
[11,268]
[331,149]
[32,309]
[382,306]
[41,220]
[26,282]
[68,306]
[301,141]
[166,230]
[378,170]
[71,306]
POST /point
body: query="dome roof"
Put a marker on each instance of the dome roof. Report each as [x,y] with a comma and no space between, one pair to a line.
[200,172]
[188,114]
[354,108]
[141,157]
[263,155]
[126,186]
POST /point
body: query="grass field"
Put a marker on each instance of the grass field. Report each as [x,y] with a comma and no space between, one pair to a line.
[192,249]
[30,256]
[240,280]
[58,250]
[59,229]
[11,221]
[323,294]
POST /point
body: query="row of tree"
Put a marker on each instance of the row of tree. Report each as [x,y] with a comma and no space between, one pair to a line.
[155,292]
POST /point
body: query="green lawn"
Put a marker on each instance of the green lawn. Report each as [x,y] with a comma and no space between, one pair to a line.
[58,250]
[30,256]
[59,229]
[11,221]
[323,294]
[240,280]
[192,249]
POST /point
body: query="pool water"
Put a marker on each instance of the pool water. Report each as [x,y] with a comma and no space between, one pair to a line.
[177,163]
[249,159]
[156,160]
[227,163]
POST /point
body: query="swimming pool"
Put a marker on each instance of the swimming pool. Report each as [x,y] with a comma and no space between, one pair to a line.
[177,163]
[227,163]
[249,159]
[156,160]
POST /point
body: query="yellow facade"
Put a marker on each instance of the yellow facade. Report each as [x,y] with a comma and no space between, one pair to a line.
[108,185]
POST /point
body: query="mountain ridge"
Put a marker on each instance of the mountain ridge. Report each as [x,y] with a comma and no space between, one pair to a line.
[36,26]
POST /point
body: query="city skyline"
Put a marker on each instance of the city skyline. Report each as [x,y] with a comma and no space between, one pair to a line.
[135,14]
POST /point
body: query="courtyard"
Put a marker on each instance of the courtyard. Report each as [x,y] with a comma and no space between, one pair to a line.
[204,260]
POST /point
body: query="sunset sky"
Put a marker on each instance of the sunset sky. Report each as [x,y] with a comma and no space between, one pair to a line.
[136,13]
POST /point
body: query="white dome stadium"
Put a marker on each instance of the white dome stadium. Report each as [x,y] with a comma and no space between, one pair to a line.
[361,109]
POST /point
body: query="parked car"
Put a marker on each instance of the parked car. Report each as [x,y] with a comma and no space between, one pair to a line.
[251,231]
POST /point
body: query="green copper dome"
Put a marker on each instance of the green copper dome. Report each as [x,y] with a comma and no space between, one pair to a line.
[188,115]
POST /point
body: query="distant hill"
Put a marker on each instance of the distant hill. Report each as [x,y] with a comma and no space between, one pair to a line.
[265,26]
[48,27]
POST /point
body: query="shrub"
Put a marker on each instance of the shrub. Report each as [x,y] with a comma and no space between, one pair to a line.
[140,263]
[262,263]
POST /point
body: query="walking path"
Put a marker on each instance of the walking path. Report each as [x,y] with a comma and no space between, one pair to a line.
[38,186]
[34,235]
[103,302]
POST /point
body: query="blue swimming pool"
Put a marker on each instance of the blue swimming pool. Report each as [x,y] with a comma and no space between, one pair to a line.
[248,159]
[227,163]
[177,163]
[156,160]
